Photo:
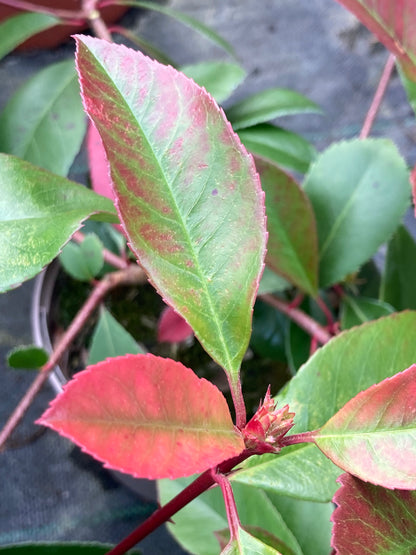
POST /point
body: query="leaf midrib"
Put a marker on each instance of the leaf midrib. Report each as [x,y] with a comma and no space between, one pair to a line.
[203,280]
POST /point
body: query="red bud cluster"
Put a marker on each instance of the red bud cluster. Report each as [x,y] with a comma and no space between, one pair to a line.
[264,431]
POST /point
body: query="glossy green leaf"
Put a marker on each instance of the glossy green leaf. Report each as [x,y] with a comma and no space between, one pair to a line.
[269,330]
[267,105]
[27,356]
[246,544]
[398,286]
[351,362]
[223,536]
[110,339]
[39,212]
[84,261]
[196,523]
[344,181]
[292,248]
[44,122]
[298,346]
[219,78]
[357,310]
[373,436]
[280,146]
[185,19]
[392,21]
[200,237]
[381,521]
[16,29]
[271,283]
[310,522]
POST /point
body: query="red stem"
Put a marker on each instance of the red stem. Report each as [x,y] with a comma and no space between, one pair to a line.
[239,405]
[303,320]
[378,97]
[234,523]
[327,313]
[163,514]
[75,16]
[131,275]
[305,437]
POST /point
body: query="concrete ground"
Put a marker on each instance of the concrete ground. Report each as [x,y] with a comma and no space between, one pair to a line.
[49,490]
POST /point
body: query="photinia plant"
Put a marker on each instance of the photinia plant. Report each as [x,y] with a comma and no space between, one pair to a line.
[218,225]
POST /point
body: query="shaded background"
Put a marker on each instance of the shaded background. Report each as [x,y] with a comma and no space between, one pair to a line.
[51,491]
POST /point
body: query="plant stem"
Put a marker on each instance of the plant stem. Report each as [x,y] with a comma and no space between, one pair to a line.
[239,405]
[305,437]
[95,20]
[163,514]
[74,16]
[378,97]
[131,275]
[109,257]
[301,318]
[234,523]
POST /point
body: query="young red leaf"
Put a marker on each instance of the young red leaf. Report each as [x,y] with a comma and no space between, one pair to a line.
[373,520]
[374,435]
[147,416]
[393,22]
[187,191]
[172,327]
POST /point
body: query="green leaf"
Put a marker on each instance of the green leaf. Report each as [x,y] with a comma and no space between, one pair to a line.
[58,549]
[398,287]
[310,522]
[268,335]
[267,105]
[246,544]
[292,248]
[110,339]
[351,362]
[18,28]
[357,310]
[373,436]
[381,521]
[27,356]
[39,212]
[271,282]
[345,180]
[219,78]
[200,237]
[190,22]
[267,538]
[84,261]
[409,86]
[44,122]
[280,146]
[196,523]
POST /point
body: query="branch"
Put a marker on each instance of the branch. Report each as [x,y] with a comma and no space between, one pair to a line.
[163,514]
[378,97]
[76,17]
[301,318]
[131,275]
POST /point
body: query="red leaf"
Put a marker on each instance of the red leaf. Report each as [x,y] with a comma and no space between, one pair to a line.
[374,435]
[172,328]
[373,520]
[393,22]
[147,416]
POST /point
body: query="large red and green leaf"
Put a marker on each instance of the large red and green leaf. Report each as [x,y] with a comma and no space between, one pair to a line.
[146,416]
[39,211]
[292,249]
[342,184]
[351,362]
[187,191]
[374,435]
[381,521]
[393,22]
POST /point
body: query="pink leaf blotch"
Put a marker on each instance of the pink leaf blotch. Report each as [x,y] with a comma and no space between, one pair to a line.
[374,435]
[393,22]
[147,416]
[172,328]
[373,520]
